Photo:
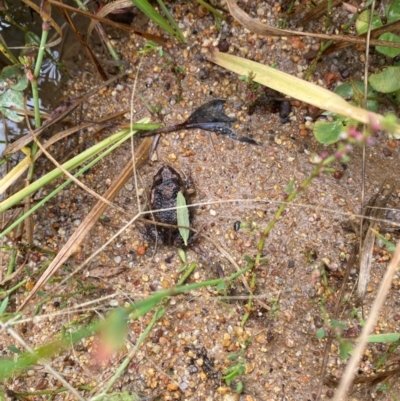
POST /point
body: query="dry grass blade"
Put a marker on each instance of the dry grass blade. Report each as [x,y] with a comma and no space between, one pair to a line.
[259,28]
[369,241]
[90,220]
[107,9]
[351,367]
[296,88]
[157,39]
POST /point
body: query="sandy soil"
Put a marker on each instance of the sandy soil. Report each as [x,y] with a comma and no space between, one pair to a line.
[186,353]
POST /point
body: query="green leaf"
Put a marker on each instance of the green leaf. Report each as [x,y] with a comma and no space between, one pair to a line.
[362,22]
[3,306]
[393,11]
[383,338]
[239,388]
[355,91]
[11,99]
[328,132]
[14,77]
[182,255]
[387,81]
[345,348]
[320,333]
[182,213]
[389,51]
[14,349]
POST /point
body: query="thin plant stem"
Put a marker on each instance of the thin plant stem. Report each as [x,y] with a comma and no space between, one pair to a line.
[11,264]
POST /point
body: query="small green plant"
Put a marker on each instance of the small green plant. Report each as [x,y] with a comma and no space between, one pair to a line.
[329,132]
[386,81]
[234,374]
[274,307]
[251,85]
[149,47]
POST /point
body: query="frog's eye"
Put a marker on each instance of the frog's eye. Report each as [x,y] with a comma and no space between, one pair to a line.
[157,180]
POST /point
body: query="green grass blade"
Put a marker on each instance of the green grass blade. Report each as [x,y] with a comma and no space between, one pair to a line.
[171,20]
[69,165]
[146,8]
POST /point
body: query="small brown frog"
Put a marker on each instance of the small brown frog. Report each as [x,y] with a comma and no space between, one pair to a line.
[166,185]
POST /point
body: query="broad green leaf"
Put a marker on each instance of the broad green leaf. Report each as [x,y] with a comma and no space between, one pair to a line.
[389,51]
[11,99]
[320,333]
[383,338]
[363,22]
[387,81]
[393,11]
[14,77]
[348,89]
[182,213]
[11,115]
[328,132]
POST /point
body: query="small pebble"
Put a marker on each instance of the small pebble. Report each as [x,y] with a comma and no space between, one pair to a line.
[223,46]
[387,152]
[213,212]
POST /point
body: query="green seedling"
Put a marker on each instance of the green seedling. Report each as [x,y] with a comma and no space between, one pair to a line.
[149,47]
[251,85]
[234,374]
[274,307]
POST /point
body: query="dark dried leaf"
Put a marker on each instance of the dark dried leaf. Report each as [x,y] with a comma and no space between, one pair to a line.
[211,117]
